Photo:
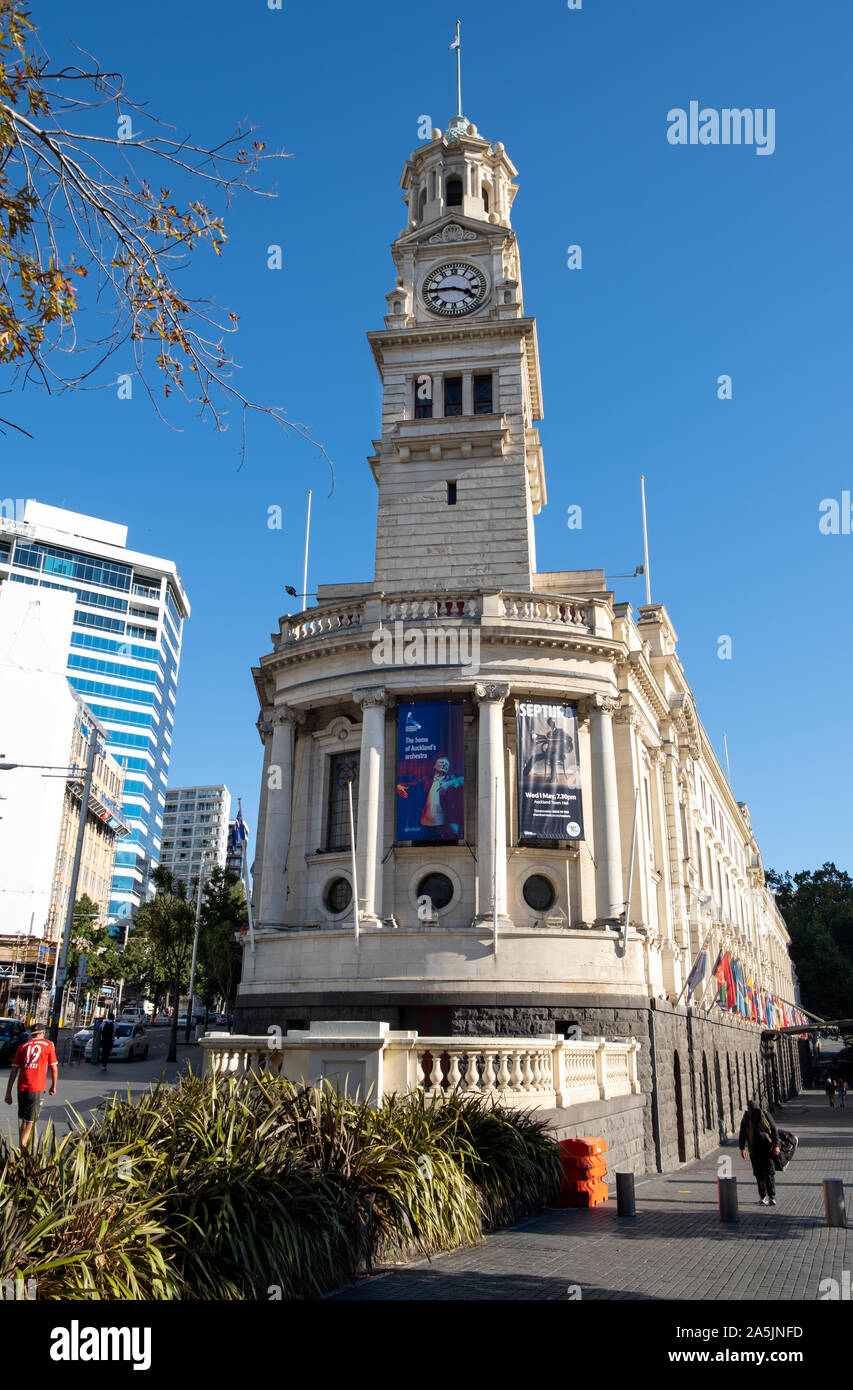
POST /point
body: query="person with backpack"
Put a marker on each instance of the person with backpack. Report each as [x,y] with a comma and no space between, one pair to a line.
[107,1036]
[759,1138]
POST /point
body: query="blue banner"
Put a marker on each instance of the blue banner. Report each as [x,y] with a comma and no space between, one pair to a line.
[430,771]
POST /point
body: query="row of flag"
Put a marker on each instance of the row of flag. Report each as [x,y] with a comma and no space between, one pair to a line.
[739,995]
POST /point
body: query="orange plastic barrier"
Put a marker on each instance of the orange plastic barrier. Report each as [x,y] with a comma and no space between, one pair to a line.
[583,1147]
[584,1170]
[583,1194]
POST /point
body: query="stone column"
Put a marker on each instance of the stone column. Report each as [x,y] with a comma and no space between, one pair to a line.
[491,801]
[371,802]
[609,892]
[278,794]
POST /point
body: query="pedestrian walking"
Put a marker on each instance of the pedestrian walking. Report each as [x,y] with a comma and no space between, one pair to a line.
[760,1139]
[30,1065]
[830,1092]
[107,1035]
[95,1055]
[841,1092]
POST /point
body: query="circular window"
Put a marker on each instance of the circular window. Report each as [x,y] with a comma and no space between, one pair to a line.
[438,888]
[338,895]
[539,893]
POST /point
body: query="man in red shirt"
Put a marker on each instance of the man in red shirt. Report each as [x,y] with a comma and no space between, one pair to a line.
[30,1065]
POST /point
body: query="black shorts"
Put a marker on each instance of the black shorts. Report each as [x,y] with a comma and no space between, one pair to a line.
[29,1104]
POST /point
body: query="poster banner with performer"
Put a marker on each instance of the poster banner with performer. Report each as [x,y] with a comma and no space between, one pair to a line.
[549,775]
[430,771]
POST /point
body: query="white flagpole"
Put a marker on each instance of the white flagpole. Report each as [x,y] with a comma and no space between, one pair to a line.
[248,892]
[354,868]
[495,877]
[305,566]
[645,541]
[728,769]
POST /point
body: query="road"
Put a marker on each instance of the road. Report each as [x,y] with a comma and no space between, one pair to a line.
[84,1087]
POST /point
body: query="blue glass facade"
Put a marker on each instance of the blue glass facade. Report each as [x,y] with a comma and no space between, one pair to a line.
[123,661]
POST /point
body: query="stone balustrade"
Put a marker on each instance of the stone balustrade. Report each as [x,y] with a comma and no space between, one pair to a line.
[318,622]
[414,608]
[534,608]
[448,607]
[545,1072]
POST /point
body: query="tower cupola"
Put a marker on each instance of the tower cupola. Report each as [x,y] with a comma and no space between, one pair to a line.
[458,173]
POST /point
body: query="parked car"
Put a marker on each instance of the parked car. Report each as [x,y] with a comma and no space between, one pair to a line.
[130,1041]
[80,1039]
[12,1033]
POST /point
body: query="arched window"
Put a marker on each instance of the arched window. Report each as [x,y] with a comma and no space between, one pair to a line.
[485,197]
[454,192]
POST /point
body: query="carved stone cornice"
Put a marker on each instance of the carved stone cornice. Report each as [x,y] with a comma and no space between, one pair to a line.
[370,697]
[491,692]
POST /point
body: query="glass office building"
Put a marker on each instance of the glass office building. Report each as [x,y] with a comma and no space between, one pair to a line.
[123,658]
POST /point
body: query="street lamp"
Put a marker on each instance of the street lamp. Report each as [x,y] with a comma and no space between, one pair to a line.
[195,948]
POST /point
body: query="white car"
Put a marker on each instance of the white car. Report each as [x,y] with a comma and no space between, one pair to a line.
[130,1041]
[134,1016]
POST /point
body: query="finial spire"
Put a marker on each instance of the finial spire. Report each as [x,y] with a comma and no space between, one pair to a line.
[458,124]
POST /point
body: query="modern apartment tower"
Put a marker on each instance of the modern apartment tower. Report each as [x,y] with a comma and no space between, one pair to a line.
[195,831]
[123,657]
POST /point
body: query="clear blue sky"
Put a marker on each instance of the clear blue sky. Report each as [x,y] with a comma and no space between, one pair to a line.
[697,261]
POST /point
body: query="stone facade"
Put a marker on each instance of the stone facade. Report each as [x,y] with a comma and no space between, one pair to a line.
[460,478]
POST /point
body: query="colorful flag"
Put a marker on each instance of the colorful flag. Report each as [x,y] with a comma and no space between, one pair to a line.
[750,1000]
[239,832]
[697,974]
[720,981]
[731,983]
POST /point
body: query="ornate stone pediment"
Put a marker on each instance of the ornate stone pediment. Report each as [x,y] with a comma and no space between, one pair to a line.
[452,232]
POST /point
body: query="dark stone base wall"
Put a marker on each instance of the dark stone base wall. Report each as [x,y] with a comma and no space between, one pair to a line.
[720,1063]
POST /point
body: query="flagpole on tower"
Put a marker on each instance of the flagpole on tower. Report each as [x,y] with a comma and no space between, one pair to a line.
[457,44]
[645,541]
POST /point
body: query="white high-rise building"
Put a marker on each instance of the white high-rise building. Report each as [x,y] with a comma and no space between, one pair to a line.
[195,831]
[45,738]
[122,659]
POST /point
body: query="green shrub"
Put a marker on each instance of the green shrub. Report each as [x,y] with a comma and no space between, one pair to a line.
[216,1188]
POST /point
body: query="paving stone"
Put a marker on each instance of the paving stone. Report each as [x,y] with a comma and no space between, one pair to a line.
[675,1248]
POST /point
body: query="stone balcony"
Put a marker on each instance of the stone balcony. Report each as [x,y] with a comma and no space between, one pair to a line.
[547,1072]
[520,615]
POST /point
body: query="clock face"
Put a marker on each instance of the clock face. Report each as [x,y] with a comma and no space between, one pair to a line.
[454,288]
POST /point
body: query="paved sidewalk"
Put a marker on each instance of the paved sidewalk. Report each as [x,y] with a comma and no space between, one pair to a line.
[83,1087]
[675,1248]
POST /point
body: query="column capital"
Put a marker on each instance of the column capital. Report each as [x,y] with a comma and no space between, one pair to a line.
[491,692]
[274,716]
[370,696]
[605,704]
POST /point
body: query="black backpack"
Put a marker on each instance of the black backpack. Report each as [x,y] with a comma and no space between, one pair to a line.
[787,1148]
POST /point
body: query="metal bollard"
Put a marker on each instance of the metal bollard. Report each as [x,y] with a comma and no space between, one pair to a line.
[625,1201]
[727,1198]
[833,1202]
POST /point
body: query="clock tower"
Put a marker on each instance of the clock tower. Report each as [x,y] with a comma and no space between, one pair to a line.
[459,464]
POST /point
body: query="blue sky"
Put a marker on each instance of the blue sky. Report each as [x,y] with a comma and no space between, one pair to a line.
[697,261]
